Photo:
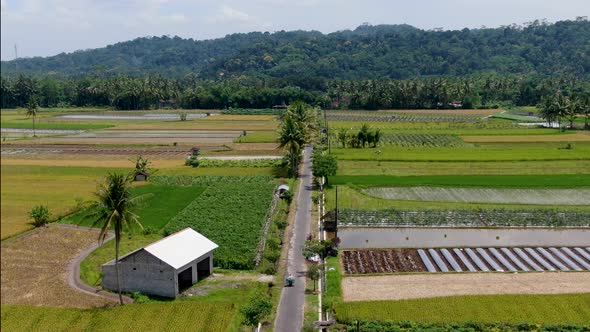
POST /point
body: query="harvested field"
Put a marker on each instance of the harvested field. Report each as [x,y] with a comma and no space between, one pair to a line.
[465,260]
[577,137]
[484,195]
[35,268]
[399,287]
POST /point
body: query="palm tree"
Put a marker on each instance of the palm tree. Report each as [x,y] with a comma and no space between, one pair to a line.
[572,107]
[113,210]
[32,110]
[292,137]
[584,102]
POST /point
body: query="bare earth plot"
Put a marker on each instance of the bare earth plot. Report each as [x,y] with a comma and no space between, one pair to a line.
[35,268]
[399,287]
[485,195]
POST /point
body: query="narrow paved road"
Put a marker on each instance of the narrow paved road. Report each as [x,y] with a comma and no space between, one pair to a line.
[290,312]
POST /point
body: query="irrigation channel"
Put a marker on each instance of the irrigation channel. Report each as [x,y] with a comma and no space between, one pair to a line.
[499,259]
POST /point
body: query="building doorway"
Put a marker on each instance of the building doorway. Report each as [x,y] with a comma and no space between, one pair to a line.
[185,279]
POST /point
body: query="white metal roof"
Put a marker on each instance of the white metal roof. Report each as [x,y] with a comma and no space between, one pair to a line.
[284,187]
[181,247]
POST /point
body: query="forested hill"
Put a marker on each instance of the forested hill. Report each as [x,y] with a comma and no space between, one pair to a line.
[392,51]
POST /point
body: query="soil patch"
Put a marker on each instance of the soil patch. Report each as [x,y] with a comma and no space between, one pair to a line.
[398,287]
[35,268]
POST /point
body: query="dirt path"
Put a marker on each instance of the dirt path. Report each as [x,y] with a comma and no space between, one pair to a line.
[37,268]
[400,287]
[74,280]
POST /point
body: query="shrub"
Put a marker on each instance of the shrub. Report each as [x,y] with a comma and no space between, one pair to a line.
[273,244]
[40,215]
[256,309]
[192,161]
[287,196]
[272,256]
[281,224]
[267,267]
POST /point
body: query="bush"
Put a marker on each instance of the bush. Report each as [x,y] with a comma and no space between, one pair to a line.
[287,196]
[272,256]
[273,244]
[256,309]
[40,215]
[281,224]
[149,230]
[139,297]
[267,267]
[192,161]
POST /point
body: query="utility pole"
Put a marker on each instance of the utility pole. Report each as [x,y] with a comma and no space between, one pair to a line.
[336,212]
[327,131]
[15,58]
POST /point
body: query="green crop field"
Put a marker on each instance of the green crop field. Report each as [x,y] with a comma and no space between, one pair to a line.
[484,195]
[405,168]
[354,199]
[258,137]
[156,206]
[228,210]
[465,218]
[422,140]
[538,309]
[491,127]
[484,152]
[230,213]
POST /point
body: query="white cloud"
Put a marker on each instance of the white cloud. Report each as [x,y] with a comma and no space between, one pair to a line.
[229,14]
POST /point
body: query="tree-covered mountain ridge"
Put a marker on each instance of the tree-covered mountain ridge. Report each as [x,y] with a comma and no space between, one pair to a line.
[380,51]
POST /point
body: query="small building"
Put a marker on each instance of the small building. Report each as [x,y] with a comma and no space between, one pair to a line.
[141,176]
[165,267]
[280,107]
[282,189]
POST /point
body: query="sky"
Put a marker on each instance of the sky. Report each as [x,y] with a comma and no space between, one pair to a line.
[50,27]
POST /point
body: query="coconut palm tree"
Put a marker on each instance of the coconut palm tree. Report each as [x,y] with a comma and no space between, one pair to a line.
[292,138]
[584,102]
[113,211]
[32,111]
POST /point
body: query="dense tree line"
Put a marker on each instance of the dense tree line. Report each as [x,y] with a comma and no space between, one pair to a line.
[561,107]
[309,59]
[126,92]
